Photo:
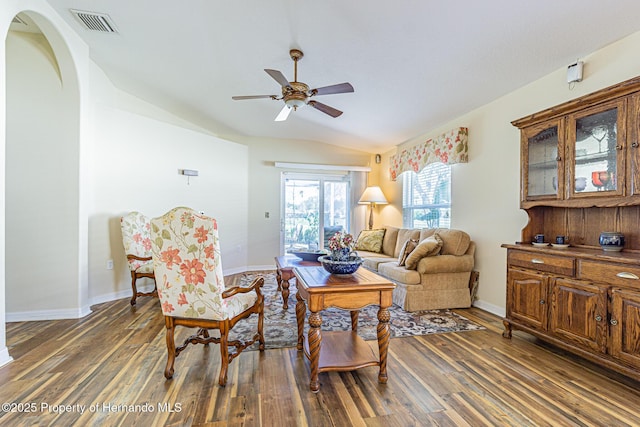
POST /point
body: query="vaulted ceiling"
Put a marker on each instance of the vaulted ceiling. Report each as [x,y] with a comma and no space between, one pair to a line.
[414,64]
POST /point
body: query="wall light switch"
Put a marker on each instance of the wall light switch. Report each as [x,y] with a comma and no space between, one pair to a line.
[109,264]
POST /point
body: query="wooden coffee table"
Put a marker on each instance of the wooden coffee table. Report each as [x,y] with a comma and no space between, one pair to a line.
[341,350]
[284,272]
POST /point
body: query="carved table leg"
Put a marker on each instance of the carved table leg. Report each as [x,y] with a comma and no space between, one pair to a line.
[384,333]
[285,294]
[278,278]
[354,320]
[315,339]
[301,310]
[507,329]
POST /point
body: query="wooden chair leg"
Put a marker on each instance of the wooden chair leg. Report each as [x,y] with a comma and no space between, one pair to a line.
[171,347]
[224,352]
[133,288]
[260,327]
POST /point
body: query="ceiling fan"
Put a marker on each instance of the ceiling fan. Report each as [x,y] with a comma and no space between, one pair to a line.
[297,94]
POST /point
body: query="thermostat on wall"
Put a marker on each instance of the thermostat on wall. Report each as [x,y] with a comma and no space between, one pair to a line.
[574,72]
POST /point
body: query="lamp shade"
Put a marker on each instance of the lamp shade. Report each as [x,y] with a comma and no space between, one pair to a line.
[373,195]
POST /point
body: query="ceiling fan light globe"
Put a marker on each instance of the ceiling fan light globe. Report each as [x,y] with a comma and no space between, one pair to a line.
[295,102]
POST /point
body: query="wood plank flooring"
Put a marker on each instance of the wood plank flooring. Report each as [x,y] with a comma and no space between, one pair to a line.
[107,370]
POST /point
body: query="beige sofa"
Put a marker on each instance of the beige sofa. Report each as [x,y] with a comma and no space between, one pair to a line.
[440,281]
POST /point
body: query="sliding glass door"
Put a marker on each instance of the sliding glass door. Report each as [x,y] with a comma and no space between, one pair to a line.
[314,208]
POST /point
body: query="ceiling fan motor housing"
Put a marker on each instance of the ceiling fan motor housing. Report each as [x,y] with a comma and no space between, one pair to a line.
[296,95]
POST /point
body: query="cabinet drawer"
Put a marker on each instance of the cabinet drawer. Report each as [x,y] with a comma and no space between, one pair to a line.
[612,274]
[542,262]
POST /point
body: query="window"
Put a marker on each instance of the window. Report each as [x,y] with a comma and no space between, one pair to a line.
[426,197]
[314,208]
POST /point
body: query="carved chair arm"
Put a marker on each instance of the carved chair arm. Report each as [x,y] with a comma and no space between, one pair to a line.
[139,258]
[255,286]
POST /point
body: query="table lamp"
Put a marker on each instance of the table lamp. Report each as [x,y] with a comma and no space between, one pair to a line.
[372,196]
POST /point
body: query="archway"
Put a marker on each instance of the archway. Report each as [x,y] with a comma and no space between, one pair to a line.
[45,232]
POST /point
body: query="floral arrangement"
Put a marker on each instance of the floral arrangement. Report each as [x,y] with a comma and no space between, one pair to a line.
[340,241]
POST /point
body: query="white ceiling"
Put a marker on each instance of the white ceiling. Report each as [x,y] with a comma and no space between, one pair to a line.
[414,64]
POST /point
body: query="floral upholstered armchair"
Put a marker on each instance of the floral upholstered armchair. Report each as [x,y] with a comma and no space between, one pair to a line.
[137,245]
[188,269]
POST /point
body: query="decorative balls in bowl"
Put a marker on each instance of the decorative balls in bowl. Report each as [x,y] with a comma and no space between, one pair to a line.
[348,266]
[309,255]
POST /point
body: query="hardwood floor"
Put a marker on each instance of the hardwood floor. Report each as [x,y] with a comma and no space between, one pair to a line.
[111,365]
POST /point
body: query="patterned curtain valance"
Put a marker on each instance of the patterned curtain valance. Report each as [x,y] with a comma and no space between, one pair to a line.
[448,148]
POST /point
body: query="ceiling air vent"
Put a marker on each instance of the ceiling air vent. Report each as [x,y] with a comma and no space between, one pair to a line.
[95,21]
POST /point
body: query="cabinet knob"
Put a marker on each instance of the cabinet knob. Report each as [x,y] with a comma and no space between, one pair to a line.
[618,147]
[614,322]
[558,158]
[598,318]
[635,144]
[542,301]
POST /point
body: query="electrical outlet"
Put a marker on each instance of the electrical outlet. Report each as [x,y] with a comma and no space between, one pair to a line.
[266,215]
[109,264]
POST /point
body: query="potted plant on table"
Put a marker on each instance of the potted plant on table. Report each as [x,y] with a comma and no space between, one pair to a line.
[341,245]
[342,259]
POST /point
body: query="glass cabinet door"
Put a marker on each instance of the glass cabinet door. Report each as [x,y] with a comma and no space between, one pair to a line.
[542,172]
[596,151]
[633,148]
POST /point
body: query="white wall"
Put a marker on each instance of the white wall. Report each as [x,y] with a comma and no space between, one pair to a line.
[485,191]
[135,167]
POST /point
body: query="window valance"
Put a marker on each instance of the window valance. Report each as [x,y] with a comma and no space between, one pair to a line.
[448,148]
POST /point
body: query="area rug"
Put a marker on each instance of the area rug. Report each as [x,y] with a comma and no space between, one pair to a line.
[280,328]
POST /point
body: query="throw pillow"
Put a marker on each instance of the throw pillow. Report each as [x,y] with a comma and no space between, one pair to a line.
[370,240]
[407,248]
[428,247]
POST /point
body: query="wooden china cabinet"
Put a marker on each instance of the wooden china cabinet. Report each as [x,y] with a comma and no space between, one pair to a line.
[580,176]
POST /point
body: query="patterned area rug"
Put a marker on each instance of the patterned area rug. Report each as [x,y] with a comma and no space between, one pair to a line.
[280,328]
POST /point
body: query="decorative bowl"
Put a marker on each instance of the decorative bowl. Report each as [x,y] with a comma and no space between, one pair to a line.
[581,183]
[309,255]
[611,241]
[340,267]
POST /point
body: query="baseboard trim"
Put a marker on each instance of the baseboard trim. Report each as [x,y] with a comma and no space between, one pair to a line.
[261,267]
[126,293]
[239,270]
[491,308]
[4,357]
[28,316]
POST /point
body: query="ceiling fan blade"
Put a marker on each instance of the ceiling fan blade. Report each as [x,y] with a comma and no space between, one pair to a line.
[325,108]
[279,77]
[238,98]
[329,90]
[283,114]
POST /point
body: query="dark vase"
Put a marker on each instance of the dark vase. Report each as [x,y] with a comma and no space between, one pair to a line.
[611,241]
